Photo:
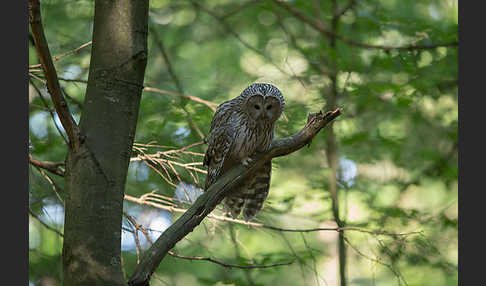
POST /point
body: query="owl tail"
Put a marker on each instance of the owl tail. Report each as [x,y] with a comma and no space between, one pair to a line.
[234,204]
[257,192]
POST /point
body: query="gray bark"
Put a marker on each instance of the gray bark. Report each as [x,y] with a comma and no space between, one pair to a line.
[96,172]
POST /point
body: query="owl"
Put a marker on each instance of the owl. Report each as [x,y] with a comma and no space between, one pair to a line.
[240,128]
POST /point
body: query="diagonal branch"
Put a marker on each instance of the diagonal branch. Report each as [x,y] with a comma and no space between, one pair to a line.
[45,224]
[45,59]
[206,203]
[139,227]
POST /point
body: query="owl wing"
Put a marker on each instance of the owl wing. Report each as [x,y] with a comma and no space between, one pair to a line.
[220,139]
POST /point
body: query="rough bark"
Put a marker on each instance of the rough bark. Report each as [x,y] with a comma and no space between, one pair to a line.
[213,196]
[96,172]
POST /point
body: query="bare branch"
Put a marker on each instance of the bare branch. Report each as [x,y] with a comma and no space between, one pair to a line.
[169,160]
[248,267]
[72,129]
[52,167]
[209,104]
[378,260]
[55,187]
[58,57]
[215,194]
[197,258]
[51,112]
[149,200]
[44,224]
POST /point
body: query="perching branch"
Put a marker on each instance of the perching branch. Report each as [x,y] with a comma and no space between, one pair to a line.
[206,203]
[53,86]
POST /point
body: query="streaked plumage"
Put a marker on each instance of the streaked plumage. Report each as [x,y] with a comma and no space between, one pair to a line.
[241,127]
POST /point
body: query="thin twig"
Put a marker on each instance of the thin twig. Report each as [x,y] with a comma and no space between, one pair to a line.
[45,59]
[58,57]
[244,43]
[52,167]
[396,272]
[55,187]
[45,224]
[227,264]
[175,79]
[209,104]
[146,200]
[50,111]
[139,227]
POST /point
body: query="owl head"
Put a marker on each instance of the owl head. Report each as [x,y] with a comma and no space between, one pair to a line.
[262,101]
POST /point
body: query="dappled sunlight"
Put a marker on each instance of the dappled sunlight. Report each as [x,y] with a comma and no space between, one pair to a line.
[384,174]
[383,171]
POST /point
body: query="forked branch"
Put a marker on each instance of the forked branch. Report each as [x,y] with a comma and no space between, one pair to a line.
[206,203]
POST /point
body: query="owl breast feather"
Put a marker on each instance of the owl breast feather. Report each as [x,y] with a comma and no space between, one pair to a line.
[249,137]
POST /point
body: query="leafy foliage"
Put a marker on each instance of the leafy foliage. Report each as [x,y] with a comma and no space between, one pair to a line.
[398,129]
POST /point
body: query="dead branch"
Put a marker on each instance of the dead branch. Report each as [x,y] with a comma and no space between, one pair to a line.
[150,199]
[206,203]
[51,112]
[209,104]
[45,59]
[45,224]
[58,57]
[139,227]
[227,265]
[52,167]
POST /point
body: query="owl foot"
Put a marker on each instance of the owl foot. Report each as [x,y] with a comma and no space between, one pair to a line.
[246,161]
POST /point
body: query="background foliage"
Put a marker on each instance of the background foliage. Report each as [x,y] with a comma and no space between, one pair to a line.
[397,138]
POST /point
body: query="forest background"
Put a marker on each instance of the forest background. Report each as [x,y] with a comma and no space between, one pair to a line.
[372,201]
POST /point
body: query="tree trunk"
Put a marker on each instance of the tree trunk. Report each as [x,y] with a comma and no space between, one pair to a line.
[96,173]
[332,147]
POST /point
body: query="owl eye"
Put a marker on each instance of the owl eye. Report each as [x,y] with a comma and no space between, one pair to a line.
[257,107]
[269,106]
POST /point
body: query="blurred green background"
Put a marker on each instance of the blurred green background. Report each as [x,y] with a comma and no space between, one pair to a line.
[396,139]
